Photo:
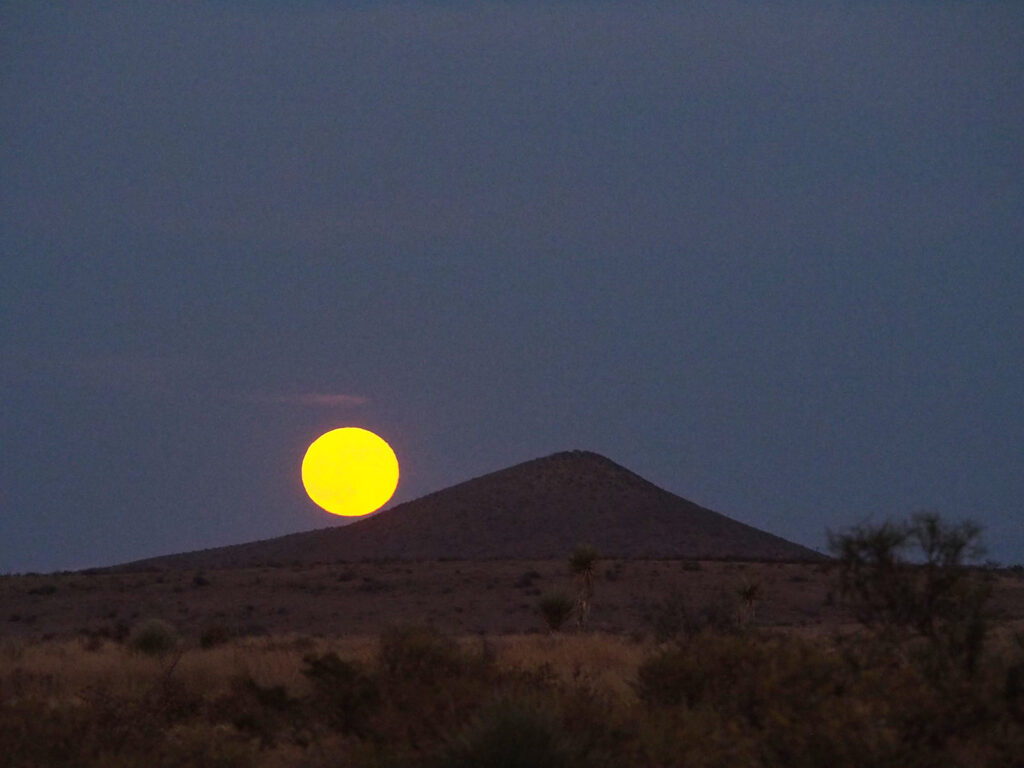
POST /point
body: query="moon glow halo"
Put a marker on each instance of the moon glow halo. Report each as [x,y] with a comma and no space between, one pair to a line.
[350,472]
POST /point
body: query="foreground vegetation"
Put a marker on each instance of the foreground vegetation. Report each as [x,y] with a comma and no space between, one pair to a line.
[413,697]
[928,678]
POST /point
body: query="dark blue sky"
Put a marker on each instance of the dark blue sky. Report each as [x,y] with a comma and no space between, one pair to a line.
[768,255]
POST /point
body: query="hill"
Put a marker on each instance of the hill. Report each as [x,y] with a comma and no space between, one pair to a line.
[539,509]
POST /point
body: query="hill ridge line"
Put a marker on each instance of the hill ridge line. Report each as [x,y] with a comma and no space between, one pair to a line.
[538,509]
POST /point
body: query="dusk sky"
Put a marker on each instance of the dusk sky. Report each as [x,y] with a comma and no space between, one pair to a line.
[769,256]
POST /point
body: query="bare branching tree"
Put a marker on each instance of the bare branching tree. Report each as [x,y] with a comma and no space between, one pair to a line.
[912,578]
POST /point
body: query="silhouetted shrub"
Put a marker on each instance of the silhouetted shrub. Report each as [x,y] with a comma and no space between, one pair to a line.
[417,654]
[525,580]
[1013,684]
[749,675]
[583,560]
[89,640]
[911,578]
[667,678]
[343,694]
[213,635]
[119,631]
[256,710]
[674,615]
[556,609]
[153,637]
[761,700]
[667,616]
[510,734]
[749,593]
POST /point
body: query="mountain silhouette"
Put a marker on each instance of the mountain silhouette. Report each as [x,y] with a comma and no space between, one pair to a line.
[539,509]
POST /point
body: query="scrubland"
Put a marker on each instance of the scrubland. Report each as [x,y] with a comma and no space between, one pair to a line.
[458,596]
[870,660]
[725,696]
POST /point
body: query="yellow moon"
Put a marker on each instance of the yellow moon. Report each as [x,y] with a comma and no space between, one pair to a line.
[350,471]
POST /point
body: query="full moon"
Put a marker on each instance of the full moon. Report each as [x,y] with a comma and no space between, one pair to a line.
[350,471]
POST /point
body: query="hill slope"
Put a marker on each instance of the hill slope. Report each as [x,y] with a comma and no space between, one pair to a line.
[539,509]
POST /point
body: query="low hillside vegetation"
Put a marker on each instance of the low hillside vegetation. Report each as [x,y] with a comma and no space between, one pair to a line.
[929,677]
[413,698]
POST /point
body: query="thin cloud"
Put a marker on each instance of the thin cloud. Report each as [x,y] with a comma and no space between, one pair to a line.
[312,399]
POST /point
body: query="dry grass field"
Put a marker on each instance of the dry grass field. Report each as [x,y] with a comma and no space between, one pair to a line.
[450,664]
[414,697]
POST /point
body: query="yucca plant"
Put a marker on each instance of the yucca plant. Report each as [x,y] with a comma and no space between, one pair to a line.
[582,564]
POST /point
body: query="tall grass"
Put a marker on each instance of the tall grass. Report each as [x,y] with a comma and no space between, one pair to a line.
[415,698]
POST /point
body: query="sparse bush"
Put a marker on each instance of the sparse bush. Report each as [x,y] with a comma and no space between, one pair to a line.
[749,593]
[583,560]
[667,617]
[153,637]
[751,699]
[706,667]
[556,609]
[213,635]
[525,580]
[119,632]
[911,578]
[343,694]
[255,710]
[510,734]
[417,654]
[665,678]
[90,641]
[674,615]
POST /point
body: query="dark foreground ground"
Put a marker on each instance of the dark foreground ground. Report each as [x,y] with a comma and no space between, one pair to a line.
[449,665]
[456,597]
